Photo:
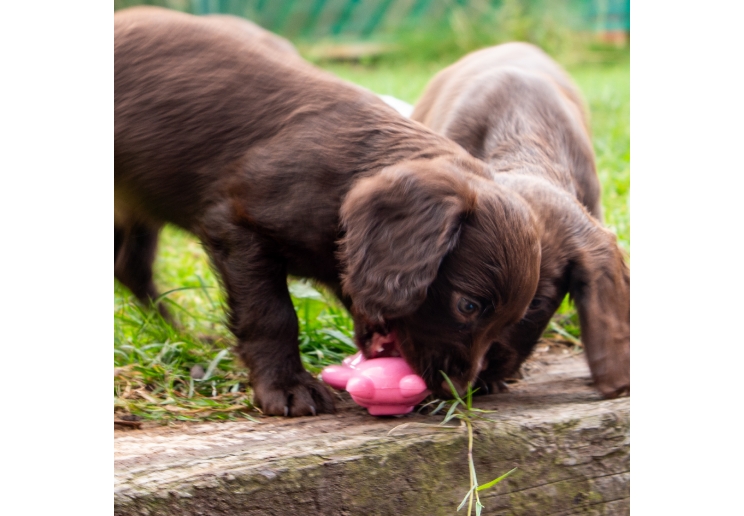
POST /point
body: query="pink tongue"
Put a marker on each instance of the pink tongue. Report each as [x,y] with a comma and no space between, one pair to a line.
[384,345]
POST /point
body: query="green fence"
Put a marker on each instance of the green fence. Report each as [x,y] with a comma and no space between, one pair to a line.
[360,19]
[608,15]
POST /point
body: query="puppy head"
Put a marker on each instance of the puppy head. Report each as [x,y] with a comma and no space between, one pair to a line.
[437,263]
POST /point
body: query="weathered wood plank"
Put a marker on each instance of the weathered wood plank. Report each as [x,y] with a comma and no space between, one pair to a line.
[572,450]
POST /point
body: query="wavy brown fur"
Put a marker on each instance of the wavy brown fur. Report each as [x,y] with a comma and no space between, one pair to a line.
[515,108]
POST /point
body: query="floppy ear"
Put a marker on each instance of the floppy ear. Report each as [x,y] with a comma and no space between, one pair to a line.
[600,288]
[399,224]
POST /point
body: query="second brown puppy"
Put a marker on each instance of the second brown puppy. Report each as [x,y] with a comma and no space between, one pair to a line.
[515,108]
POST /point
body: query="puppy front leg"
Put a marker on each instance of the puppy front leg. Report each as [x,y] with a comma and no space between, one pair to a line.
[262,317]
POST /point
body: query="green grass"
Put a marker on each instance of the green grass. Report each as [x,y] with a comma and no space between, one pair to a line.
[607,91]
[153,361]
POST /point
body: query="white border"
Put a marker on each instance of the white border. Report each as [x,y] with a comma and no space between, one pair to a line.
[56,183]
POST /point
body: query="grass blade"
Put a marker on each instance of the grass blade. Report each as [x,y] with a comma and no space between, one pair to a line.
[204,288]
[422,425]
[563,333]
[171,291]
[496,481]
[452,388]
[438,408]
[450,412]
[424,405]
[467,496]
[213,365]
[303,290]
[341,337]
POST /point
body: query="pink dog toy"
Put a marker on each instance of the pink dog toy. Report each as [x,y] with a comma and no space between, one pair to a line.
[384,386]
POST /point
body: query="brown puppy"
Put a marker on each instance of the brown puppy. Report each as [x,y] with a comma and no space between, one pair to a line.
[252,30]
[280,168]
[515,108]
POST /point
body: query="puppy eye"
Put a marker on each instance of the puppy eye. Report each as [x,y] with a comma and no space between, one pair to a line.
[467,306]
[535,303]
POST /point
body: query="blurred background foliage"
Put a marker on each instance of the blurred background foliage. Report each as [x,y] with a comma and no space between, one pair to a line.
[570,30]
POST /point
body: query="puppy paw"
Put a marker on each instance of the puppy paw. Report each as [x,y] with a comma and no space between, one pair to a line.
[611,390]
[615,381]
[302,395]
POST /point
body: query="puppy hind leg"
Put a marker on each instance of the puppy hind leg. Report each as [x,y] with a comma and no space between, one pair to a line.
[135,248]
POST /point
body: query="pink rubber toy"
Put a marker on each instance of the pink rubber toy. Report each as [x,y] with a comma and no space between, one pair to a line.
[384,386]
